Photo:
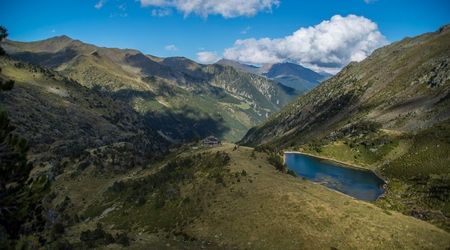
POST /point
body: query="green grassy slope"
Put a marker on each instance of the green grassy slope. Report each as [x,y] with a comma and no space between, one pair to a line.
[232,198]
[389,113]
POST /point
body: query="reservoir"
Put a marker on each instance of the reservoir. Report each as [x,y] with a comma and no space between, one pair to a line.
[359,183]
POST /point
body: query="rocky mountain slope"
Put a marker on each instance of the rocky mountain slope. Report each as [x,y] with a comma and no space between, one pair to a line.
[403,86]
[288,74]
[390,113]
[179,98]
[60,118]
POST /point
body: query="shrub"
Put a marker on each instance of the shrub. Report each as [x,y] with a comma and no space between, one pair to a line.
[277,163]
[159,202]
[58,228]
[123,240]
[292,172]
[109,239]
[141,201]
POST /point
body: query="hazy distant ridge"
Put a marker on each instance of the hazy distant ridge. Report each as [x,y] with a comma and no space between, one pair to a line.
[288,74]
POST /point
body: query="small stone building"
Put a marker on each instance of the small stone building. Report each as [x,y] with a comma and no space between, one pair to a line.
[210,141]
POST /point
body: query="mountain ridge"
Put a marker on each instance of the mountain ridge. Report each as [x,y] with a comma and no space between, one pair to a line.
[369,91]
[162,89]
[288,74]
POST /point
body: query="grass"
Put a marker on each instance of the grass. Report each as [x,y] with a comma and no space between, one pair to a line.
[261,209]
[415,166]
[244,106]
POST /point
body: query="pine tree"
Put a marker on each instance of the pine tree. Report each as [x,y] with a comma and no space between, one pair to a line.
[20,195]
[8,85]
[3,35]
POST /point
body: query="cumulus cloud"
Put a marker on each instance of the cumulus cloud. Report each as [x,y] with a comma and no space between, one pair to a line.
[171,48]
[203,8]
[207,57]
[329,45]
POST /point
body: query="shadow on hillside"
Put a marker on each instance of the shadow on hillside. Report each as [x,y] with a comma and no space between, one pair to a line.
[173,69]
[149,67]
[47,59]
[181,124]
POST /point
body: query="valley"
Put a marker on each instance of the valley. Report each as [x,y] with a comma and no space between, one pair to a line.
[177,97]
[118,135]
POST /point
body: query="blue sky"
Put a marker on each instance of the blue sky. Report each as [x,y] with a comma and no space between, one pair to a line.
[320,34]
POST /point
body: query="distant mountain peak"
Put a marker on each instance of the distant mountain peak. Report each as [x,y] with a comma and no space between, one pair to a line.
[287,73]
[63,37]
[58,39]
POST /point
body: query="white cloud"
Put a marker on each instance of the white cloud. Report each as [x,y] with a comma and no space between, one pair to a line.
[161,12]
[203,8]
[100,4]
[122,7]
[111,15]
[244,31]
[171,48]
[370,1]
[207,57]
[328,46]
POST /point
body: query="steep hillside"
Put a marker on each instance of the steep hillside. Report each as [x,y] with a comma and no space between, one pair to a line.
[179,98]
[390,113]
[288,74]
[403,86]
[61,118]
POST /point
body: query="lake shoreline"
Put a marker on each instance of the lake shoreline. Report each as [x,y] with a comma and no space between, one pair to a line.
[345,164]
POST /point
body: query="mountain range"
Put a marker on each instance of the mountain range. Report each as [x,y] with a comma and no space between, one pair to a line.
[104,125]
[288,74]
[179,98]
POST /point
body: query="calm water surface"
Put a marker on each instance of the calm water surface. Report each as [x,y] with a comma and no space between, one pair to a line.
[359,183]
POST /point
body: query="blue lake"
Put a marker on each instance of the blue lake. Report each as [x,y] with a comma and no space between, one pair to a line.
[359,183]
